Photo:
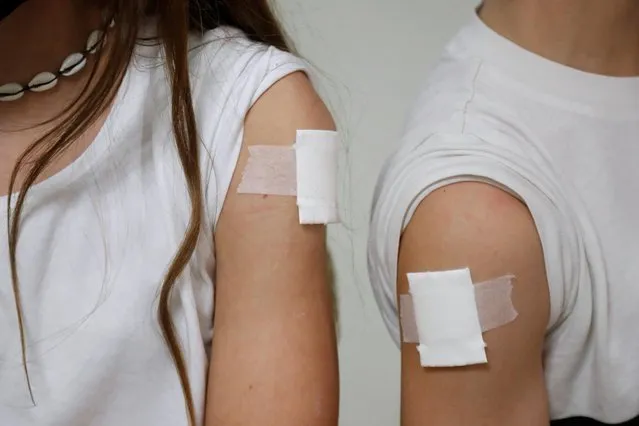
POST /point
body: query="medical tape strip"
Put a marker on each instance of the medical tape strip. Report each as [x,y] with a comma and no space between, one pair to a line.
[307,170]
[445,314]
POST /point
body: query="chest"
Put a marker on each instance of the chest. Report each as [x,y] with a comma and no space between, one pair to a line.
[91,258]
[96,241]
[80,247]
[596,161]
[16,139]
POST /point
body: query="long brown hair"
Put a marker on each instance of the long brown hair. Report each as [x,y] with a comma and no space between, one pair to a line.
[176,20]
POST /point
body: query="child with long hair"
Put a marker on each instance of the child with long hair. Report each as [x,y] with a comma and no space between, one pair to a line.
[139,287]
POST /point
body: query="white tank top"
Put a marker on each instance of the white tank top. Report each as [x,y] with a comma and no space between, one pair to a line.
[98,237]
[566,143]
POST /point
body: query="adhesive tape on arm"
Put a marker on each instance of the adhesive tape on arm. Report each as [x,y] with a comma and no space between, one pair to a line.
[445,313]
[316,160]
[307,170]
[494,306]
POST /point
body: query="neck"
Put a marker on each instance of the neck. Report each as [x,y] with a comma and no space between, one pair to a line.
[595,36]
[37,37]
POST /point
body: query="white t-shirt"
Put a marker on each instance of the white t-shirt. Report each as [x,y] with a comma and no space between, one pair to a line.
[566,143]
[98,237]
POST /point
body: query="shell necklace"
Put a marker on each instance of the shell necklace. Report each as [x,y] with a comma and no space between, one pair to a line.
[73,64]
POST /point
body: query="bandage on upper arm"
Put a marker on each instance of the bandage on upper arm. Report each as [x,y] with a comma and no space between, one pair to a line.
[306,170]
[446,314]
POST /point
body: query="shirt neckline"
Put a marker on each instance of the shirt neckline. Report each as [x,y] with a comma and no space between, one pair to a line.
[87,158]
[548,78]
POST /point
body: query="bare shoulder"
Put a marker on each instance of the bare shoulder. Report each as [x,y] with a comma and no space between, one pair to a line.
[486,229]
[475,223]
[289,105]
[482,227]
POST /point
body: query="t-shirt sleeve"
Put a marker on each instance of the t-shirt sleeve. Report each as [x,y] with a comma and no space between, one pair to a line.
[233,74]
[269,67]
[420,168]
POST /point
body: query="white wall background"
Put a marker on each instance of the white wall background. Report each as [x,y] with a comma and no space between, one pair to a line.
[372,56]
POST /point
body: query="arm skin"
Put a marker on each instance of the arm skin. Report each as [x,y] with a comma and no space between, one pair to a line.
[274,355]
[479,226]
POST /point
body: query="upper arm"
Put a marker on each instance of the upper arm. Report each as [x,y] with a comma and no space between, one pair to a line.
[481,227]
[274,351]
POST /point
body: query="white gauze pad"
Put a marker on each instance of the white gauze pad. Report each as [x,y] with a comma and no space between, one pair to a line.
[445,312]
[308,170]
